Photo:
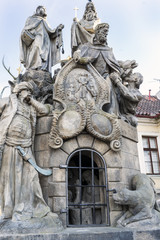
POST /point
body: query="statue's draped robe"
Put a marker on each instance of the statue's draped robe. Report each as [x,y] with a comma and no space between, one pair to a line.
[44,51]
[102,58]
[82,32]
[79,35]
[20,192]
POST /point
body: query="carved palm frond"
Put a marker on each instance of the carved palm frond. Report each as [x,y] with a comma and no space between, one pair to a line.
[8,69]
[1,94]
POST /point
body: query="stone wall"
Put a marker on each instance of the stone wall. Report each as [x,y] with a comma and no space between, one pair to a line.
[121,166]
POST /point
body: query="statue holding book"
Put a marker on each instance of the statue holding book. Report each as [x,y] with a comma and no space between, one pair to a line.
[39,44]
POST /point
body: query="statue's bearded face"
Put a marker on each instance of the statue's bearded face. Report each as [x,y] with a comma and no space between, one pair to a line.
[25,93]
[101,35]
[42,12]
[90,15]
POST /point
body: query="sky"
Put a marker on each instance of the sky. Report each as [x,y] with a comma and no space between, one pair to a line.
[134,32]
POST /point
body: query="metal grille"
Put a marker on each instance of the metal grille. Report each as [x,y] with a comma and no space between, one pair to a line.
[87,194]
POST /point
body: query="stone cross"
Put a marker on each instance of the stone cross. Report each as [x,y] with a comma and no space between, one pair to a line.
[76,9]
[19,69]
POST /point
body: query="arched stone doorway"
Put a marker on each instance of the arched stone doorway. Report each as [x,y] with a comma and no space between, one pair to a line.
[87,189]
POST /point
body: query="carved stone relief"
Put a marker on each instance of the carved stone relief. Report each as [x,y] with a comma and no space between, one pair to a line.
[79,95]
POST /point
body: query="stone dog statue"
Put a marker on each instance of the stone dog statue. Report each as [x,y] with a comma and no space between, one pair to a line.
[141,200]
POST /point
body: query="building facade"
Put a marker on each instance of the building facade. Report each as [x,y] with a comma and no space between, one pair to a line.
[148,113]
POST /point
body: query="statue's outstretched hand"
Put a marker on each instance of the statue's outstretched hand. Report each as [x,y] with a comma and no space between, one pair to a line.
[77,55]
[115,78]
[75,19]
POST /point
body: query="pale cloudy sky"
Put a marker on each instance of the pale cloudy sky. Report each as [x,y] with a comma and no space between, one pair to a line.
[134,32]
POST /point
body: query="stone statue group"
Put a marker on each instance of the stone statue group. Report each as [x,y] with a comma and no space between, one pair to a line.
[107,88]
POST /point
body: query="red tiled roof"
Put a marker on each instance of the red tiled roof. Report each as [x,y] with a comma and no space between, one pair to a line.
[148,107]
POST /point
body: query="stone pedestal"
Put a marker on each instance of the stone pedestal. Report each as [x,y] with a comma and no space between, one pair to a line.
[121,166]
[87,234]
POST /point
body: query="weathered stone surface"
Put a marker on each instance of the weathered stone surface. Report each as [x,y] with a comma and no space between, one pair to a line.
[59,203]
[50,203]
[44,180]
[113,159]
[62,217]
[114,216]
[128,131]
[101,124]
[116,185]
[45,193]
[85,140]
[57,158]
[128,174]
[70,145]
[30,229]
[69,122]
[101,233]
[43,125]
[39,160]
[113,206]
[57,190]
[59,175]
[41,143]
[114,175]
[148,235]
[42,158]
[150,223]
[129,146]
[100,146]
[130,161]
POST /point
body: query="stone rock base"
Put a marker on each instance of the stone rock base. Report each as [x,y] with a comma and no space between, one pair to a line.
[88,234]
[48,224]
[147,223]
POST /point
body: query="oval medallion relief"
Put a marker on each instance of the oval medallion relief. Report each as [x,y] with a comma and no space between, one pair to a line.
[101,124]
[69,123]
